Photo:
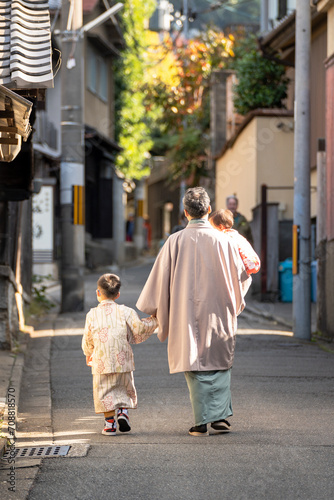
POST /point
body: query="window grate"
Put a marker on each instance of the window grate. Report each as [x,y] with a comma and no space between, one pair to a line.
[37,452]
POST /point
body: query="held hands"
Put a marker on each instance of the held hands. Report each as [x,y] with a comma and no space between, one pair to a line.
[150,318]
[153,316]
[89,360]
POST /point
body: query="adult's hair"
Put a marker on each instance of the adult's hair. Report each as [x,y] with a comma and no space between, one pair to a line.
[109,285]
[232,197]
[222,217]
[196,201]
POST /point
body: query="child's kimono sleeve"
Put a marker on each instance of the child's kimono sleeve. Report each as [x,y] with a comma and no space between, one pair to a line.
[250,258]
[87,339]
[139,330]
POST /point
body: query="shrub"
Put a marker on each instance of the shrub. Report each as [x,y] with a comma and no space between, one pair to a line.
[261,82]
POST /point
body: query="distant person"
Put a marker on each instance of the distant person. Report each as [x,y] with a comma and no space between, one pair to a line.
[196,289]
[109,330]
[130,228]
[241,224]
[222,220]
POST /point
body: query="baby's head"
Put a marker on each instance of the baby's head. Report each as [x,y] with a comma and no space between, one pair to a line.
[221,219]
[108,286]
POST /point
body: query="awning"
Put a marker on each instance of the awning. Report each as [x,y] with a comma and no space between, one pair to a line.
[25,44]
[14,123]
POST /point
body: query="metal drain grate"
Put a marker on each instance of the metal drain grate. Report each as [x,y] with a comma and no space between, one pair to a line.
[37,452]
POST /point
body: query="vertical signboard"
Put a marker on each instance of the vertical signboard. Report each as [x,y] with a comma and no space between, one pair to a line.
[43,225]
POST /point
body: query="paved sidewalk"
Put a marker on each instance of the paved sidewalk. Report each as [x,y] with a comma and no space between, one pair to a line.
[12,364]
[11,368]
[281,312]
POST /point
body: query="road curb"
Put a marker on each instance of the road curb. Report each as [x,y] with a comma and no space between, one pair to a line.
[272,317]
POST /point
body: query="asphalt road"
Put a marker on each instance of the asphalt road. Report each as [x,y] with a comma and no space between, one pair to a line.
[281,445]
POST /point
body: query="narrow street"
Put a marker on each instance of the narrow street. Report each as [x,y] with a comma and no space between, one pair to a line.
[282,439]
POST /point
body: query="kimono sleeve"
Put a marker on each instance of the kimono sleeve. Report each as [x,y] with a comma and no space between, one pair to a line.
[240,278]
[87,339]
[154,298]
[249,256]
[138,329]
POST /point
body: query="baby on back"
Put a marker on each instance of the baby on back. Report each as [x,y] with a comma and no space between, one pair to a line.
[222,220]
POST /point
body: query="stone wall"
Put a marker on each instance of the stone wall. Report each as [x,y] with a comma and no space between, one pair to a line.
[9,320]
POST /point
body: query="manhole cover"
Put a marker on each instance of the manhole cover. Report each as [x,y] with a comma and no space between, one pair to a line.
[37,452]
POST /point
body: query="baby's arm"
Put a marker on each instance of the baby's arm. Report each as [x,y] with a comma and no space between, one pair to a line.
[139,330]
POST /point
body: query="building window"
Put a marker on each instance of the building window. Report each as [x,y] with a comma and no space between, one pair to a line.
[91,70]
[282,8]
[97,74]
[103,79]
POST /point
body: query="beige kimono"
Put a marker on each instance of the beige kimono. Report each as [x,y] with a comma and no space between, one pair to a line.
[109,330]
[196,288]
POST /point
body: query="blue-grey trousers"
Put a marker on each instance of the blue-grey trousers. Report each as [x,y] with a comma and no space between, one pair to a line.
[210,395]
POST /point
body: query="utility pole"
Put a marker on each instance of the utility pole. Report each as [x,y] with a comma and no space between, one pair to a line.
[72,177]
[301,212]
[72,174]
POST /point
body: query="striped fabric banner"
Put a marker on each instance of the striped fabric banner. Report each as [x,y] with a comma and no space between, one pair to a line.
[25,44]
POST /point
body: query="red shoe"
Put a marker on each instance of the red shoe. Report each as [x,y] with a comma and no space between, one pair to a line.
[109,427]
[123,420]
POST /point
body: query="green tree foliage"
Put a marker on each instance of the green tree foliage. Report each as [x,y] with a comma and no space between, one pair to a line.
[261,82]
[132,129]
[182,133]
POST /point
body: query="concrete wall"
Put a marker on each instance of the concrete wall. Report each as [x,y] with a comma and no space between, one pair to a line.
[47,128]
[9,320]
[261,154]
[275,161]
[98,113]
[325,304]
[236,172]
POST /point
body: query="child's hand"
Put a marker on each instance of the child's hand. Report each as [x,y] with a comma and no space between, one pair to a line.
[89,360]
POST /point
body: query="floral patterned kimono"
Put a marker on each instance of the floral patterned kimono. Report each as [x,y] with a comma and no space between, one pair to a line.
[109,330]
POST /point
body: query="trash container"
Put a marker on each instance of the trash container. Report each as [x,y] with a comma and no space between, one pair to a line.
[285,280]
[314,269]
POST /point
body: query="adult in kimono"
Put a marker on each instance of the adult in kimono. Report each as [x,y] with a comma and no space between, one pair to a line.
[196,289]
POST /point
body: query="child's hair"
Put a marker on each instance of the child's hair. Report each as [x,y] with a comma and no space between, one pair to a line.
[222,217]
[109,285]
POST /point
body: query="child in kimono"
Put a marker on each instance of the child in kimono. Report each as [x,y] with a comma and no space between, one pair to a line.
[223,221]
[109,330]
